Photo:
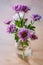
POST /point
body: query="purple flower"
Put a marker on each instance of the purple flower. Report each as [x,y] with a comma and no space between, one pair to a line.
[25,8]
[33,36]
[8,21]
[19,8]
[36,17]
[24,34]
[11,28]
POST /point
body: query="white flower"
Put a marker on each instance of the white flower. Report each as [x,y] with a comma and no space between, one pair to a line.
[21,14]
[16,17]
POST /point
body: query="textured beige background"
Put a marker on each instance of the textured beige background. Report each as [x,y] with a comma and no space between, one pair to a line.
[7,44]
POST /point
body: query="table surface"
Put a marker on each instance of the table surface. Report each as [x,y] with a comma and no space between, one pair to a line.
[8,54]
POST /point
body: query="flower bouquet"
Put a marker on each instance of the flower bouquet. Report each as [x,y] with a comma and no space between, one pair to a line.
[22,32]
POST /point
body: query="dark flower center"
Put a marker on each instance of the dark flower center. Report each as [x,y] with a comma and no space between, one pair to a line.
[10,29]
[24,9]
[24,34]
[8,22]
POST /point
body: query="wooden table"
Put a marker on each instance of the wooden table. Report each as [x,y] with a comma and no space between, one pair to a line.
[8,54]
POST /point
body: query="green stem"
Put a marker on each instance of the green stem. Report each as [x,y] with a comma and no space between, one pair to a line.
[19,16]
[32,22]
[23,52]
[24,15]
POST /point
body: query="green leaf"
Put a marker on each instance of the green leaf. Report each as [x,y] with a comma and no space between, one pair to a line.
[19,23]
[31,22]
[24,43]
[16,29]
[31,27]
[16,37]
[16,22]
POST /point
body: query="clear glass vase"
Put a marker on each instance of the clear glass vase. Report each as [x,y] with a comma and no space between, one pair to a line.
[24,51]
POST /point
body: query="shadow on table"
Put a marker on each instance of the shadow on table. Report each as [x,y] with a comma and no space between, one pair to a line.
[29,60]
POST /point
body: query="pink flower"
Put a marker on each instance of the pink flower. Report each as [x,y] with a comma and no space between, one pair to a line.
[8,21]
[33,36]
[19,8]
[24,34]
[36,17]
[11,28]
